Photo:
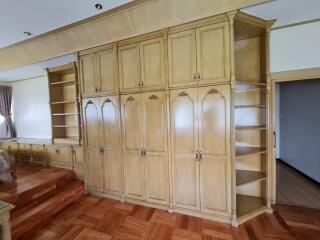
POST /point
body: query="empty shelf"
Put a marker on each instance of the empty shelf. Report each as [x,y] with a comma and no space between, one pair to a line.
[250,106]
[244,151]
[245,176]
[65,126]
[239,128]
[249,204]
[64,102]
[64,114]
[69,82]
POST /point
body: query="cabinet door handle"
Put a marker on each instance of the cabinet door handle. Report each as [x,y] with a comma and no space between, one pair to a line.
[96,89]
[199,76]
[195,77]
[197,156]
[141,151]
[99,150]
[102,151]
[200,156]
[144,152]
[141,83]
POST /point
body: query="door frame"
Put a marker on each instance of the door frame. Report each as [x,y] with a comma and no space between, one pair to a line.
[279,77]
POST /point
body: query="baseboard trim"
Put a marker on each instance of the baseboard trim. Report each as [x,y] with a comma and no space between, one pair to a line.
[299,172]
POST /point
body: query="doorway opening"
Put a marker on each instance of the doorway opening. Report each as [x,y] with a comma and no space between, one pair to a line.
[297,129]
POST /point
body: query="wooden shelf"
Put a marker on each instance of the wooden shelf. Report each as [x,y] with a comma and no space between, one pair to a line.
[244,177]
[70,82]
[241,128]
[250,106]
[64,102]
[249,204]
[252,83]
[65,126]
[64,114]
[245,151]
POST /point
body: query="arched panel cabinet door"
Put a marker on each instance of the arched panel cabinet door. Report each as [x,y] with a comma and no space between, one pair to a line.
[110,142]
[93,163]
[184,140]
[134,166]
[214,143]
[155,145]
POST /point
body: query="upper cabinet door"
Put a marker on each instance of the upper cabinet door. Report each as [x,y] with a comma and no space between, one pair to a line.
[134,166]
[184,140]
[155,144]
[152,64]
[110,142]
[182,59]
[107,70]
[91,122]
[213,53]
[214,141]
[88,80]
[129,68]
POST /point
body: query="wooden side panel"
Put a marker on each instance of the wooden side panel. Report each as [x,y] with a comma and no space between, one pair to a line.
[152,64]
[88,78]
[182,59]
[184,140]
[213,53]
[155,144]
[106,70]
[129,67]
[214,140]
[132,145]
[110,141]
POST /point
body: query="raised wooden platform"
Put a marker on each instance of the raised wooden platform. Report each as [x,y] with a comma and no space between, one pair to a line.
[38,193]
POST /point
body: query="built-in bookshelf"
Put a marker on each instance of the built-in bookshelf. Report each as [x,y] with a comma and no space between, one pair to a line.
[63,89]
[250,101]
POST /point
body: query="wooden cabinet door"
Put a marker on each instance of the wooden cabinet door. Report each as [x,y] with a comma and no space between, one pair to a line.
[94,168]
[93,163]
[184,140]
[214,141]
[213,53]
[129,68]
[88,78]
[152,64]
[134,166]
[182,59]
[107,70]
[110,140]
[155,145]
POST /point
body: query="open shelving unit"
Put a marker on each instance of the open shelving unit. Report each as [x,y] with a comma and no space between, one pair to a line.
[63,89]
[251,111]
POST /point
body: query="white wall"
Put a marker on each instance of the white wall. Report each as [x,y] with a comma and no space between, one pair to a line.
[295,47]
[31,109]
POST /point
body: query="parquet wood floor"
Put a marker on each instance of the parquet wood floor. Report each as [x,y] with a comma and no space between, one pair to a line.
[96,218]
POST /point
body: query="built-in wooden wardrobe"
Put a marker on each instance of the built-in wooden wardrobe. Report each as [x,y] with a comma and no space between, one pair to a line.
[178,119]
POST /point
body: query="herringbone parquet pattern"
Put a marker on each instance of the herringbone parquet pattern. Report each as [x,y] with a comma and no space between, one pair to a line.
[95,218]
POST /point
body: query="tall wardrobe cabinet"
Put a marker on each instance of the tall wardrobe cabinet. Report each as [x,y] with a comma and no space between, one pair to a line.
[179,118]
[145,151]
[103,144]
[200,129]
